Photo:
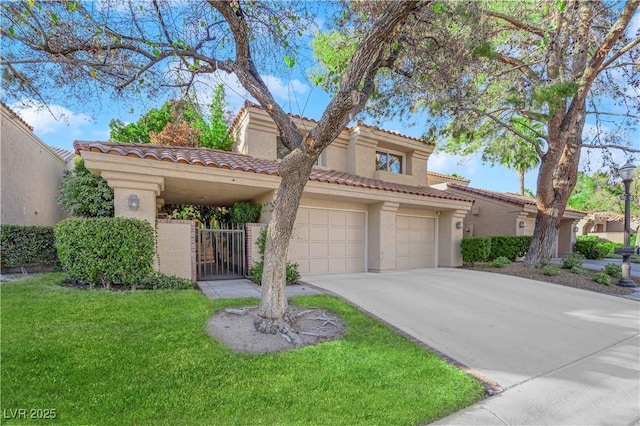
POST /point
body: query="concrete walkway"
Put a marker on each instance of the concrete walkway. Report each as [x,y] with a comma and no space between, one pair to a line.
[224,289]
[562,355]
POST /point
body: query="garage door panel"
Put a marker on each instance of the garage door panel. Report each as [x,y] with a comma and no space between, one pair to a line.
[337,218]
[318,217]
[337,234]
[331,241]
[415,242]
[338,250]
[318,233]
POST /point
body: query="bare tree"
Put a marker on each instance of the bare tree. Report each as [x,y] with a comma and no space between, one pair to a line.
[136,46]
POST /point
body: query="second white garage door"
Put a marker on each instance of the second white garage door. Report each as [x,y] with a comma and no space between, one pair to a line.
[328,241]
[416,239]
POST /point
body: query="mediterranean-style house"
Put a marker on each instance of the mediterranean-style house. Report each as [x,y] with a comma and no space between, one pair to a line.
[31,173]
[607,226]
[366,206]
[500,213]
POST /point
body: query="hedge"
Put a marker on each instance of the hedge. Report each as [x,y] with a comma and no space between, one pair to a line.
[475,249]
[591,247]
[482,249]
[27,245]
[105,250]
[509,247]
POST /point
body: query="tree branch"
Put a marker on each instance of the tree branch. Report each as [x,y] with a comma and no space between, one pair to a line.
[514,22]
[609,146]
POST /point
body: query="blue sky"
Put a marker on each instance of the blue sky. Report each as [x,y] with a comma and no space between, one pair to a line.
[296,95]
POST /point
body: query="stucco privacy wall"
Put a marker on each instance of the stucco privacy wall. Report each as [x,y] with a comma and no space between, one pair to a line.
[176,243]
[30,177]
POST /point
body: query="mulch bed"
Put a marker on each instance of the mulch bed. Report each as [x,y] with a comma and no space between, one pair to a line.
[564,277]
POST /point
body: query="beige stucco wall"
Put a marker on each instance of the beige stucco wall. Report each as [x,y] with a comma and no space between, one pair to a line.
[449,237]
[31,174]
[382,237]
[492,218]
[176,248]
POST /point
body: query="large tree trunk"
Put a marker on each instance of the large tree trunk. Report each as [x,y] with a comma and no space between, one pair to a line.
[556,179]
[294,172]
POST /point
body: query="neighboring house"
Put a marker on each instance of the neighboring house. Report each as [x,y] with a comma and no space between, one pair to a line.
[365,207]
[498,213]
[605,225]
[31,173]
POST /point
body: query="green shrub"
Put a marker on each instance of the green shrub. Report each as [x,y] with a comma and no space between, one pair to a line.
[27,245]
[105,250]
[475,249]
[499,262]
[292,269]
[572,260]
[602,278]
[85,195]
[292,273]
[509,247]
[550,270]
[254,273]
[242,213]
[591,247]
[632,240]
[613,270]
[578,271]
[159,281]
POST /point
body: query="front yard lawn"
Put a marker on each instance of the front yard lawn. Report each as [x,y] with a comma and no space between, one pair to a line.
[143,357]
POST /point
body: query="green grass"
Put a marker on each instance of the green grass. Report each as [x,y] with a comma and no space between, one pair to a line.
[144,357]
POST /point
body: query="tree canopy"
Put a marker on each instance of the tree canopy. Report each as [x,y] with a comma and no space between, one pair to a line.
[499,77]
[178,122]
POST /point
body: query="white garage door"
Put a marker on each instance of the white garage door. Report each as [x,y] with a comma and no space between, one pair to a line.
[328,241]
[416,239]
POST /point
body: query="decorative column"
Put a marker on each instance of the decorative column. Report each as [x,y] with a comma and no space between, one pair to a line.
[382,237]
[450,233]
[135,195]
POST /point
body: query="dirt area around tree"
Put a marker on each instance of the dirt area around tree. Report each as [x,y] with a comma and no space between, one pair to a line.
[234,328]
[565,277]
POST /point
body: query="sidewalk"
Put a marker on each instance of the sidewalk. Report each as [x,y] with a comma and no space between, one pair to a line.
[226,289]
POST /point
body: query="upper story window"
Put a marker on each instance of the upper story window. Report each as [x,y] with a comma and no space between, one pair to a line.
[389,162]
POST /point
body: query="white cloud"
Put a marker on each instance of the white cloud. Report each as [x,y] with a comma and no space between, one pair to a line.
[52,120]
[442,162]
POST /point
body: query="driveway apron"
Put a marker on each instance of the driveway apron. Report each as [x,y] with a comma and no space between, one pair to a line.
[562,355]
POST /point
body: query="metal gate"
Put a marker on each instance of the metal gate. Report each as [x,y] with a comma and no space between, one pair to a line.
[220,253]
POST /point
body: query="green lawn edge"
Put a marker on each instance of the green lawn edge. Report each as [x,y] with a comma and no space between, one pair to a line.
[145,357]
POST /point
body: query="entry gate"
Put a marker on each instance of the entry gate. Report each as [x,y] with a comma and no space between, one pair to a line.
[220,253]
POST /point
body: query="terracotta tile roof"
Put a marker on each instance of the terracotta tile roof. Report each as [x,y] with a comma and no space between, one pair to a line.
[249,104]
[509,197]
[15,114]
[448,177]
[65,154]
[234,161]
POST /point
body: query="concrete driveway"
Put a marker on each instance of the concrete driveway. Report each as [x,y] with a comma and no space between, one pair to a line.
[562,355]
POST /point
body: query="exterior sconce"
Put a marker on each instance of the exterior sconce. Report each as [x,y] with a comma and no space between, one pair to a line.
[459,224]
[133,202]
[522,224]
[576,229]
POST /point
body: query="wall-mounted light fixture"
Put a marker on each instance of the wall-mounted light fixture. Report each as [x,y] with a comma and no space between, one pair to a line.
[522,224]
[459,225]
[133,202]
[576,229]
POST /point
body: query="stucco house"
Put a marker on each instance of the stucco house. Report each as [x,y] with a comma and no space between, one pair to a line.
[31,173]
[606,225]
[503,213]
[366,206]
